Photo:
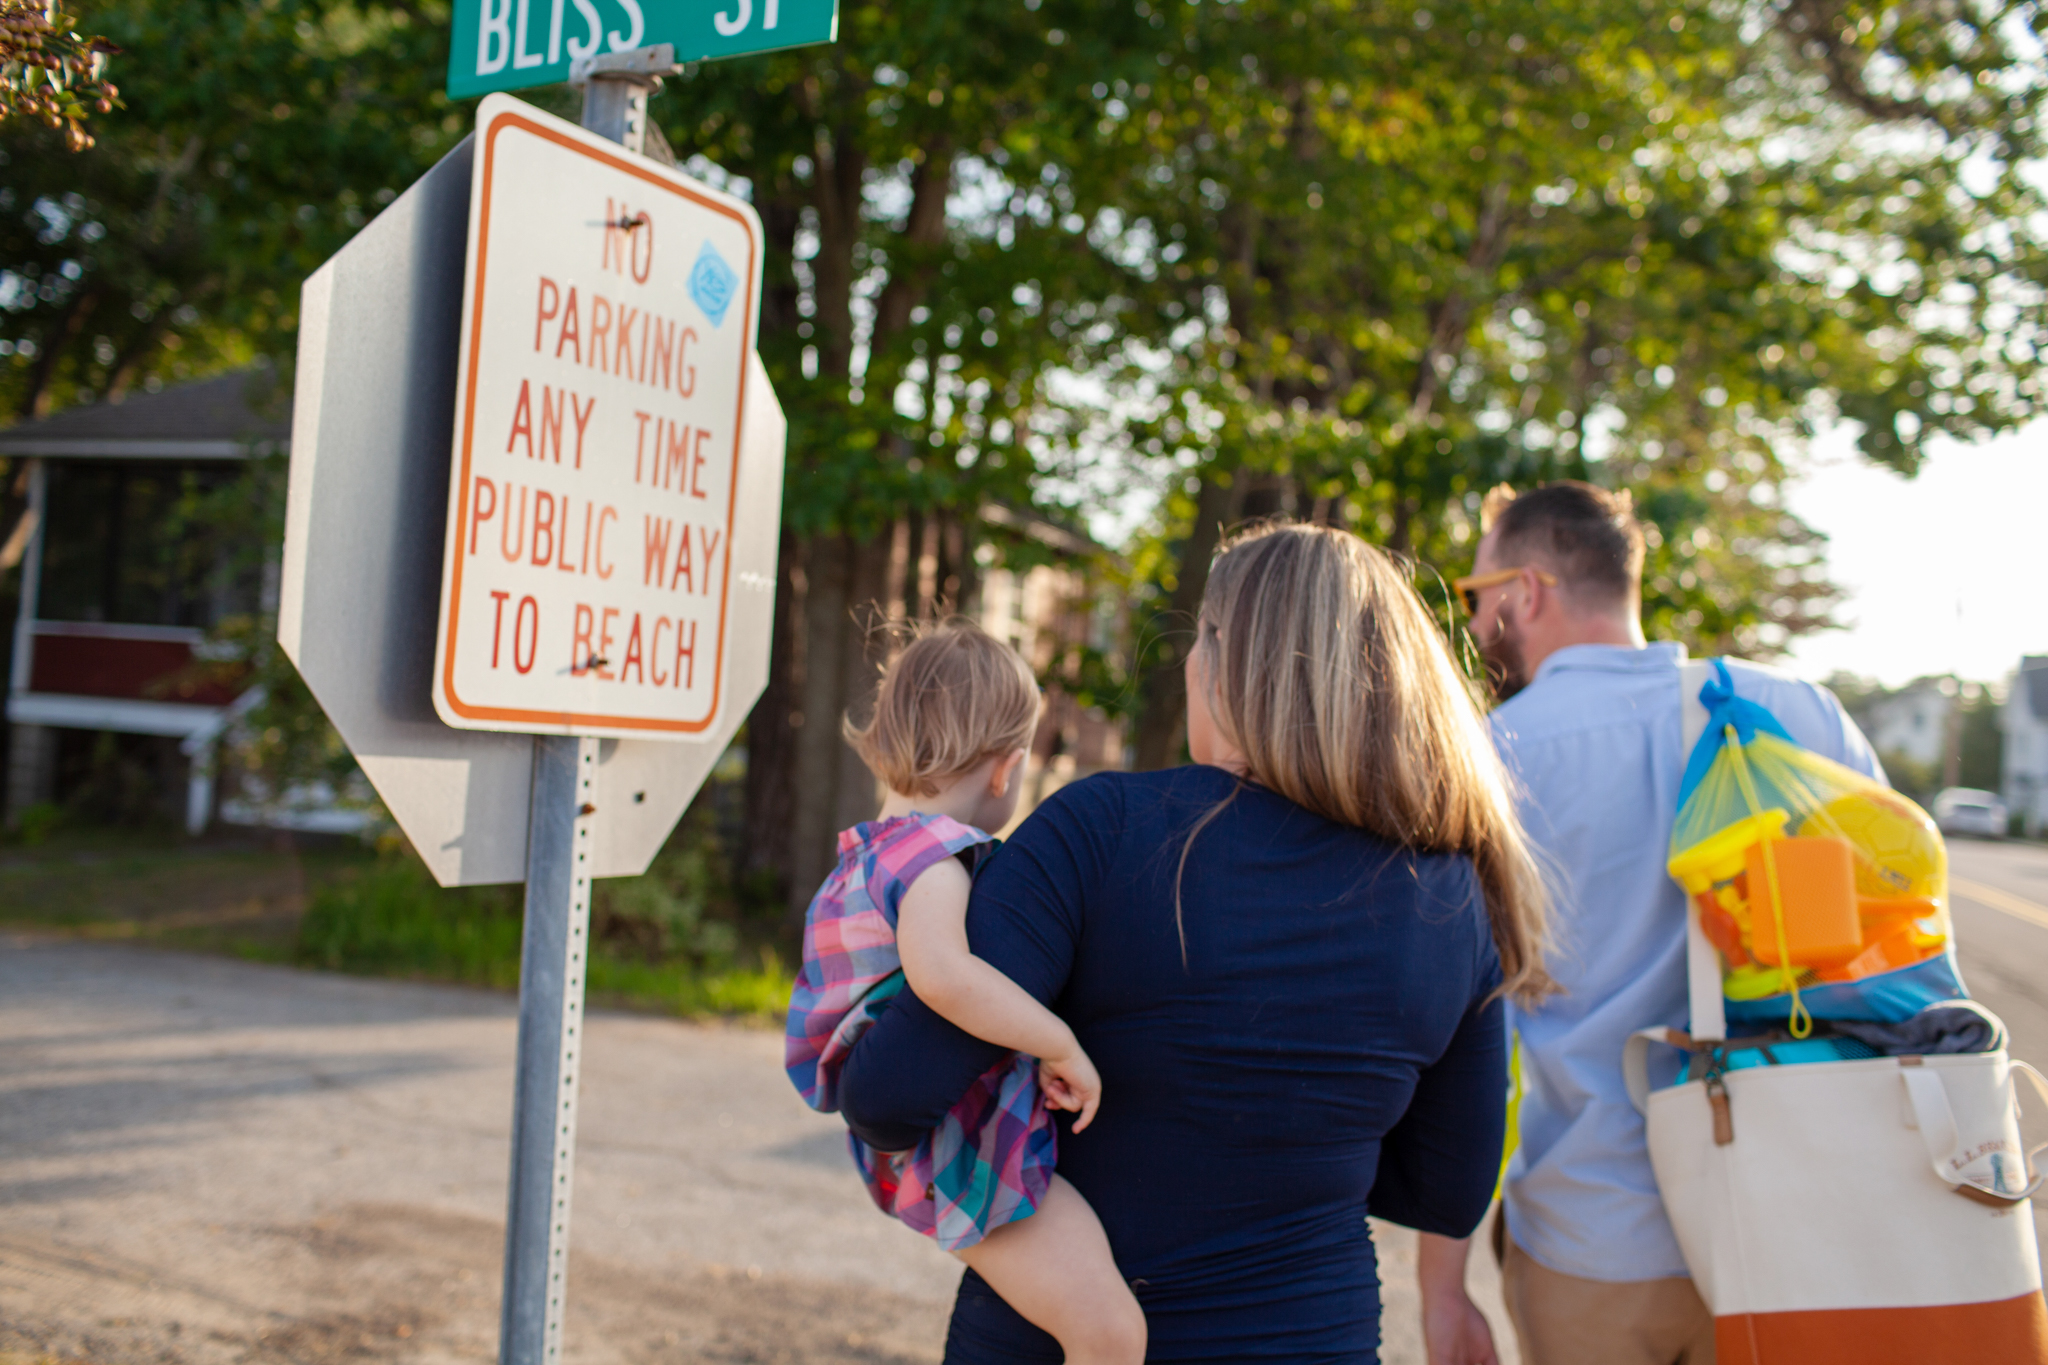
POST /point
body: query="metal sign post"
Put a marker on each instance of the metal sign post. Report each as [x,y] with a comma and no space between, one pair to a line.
[379,388]
[554,951]
[615,91]
[652,603]
[552,960]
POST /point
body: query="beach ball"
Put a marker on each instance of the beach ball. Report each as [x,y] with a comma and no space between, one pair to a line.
[1899,850]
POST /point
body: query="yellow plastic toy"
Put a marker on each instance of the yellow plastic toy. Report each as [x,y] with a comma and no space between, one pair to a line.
[1711,871]
[1725,874]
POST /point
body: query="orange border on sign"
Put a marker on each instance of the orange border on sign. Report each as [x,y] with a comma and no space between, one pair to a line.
[572,720]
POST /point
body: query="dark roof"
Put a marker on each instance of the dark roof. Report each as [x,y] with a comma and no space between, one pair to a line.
[1039,527]
[2034,677]
[209,419]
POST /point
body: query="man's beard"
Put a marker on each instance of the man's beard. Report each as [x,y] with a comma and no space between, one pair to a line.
[1505,674]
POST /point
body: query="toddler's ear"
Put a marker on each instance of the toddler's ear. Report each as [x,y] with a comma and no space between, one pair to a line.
[1006,772]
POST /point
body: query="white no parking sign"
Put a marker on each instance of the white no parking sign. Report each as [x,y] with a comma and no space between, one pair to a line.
[587,583]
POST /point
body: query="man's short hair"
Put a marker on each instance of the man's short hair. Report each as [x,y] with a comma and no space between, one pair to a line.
[1589,537]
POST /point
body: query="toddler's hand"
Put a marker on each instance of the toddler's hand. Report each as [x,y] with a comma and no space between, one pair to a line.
[1071,1082]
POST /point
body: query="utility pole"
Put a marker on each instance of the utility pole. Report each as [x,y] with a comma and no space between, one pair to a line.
[1952,738]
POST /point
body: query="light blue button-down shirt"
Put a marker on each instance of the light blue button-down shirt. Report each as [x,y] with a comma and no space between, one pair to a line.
[1595,741]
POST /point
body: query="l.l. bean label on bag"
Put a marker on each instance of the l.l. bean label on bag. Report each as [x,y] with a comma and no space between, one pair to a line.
[609,314]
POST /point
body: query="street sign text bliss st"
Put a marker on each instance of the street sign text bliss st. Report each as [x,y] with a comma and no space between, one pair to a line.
[515,44]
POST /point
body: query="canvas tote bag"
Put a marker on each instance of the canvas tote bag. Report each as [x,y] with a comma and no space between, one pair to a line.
[1873,1211]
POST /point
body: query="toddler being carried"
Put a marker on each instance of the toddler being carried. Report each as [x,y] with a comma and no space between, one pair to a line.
[953,716]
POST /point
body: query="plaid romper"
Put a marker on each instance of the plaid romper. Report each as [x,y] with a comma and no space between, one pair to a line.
[989,1161]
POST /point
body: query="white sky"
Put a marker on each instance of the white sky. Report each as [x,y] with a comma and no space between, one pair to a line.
[1946,572]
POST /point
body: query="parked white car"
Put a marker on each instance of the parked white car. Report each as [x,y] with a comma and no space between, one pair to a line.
[1966,810]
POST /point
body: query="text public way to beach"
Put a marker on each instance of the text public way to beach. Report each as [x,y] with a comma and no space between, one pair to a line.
[606,331]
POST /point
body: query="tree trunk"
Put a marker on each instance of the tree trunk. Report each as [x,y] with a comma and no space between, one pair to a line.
[830,788]
[1163,705]
[815,761]
[837,188]
[866,645]
[924,228]
[42,376]
[772,730]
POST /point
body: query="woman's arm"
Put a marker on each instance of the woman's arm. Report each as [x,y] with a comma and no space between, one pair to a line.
[1439,1164]
[931,936]
[906,1072]
[1023,921]
[1454,1331]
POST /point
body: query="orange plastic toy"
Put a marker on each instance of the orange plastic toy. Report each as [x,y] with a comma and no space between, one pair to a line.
[1898,931]
[1817,887]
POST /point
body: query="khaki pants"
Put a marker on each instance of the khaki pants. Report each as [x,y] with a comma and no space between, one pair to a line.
[1564,1320]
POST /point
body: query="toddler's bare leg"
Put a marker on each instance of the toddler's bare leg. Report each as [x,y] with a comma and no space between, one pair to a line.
[1056,1269]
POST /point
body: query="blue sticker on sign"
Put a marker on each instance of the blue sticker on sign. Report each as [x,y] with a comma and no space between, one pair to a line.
[712,282]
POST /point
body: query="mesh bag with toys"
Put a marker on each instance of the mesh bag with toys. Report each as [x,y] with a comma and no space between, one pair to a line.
[1825,892]
[1840,1157]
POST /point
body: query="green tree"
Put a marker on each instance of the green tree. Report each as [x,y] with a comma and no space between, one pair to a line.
[929,185]
[1981,760]
[252,141]
[1421,251]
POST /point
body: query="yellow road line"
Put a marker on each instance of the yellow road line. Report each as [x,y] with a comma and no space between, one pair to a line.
[2019,907]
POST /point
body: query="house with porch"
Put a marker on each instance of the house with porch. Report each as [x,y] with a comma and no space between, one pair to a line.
[131,564]
[2026,745]
[124,572]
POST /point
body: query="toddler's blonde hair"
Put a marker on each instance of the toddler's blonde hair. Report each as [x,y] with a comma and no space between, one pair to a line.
[953,696]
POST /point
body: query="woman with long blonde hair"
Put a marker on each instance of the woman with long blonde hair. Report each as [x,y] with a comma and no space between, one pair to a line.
[1287,960]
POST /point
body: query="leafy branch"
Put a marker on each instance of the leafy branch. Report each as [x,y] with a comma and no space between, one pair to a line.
[49,73]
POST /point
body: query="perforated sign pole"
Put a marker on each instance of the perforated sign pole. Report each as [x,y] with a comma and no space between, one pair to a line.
[555,950]
[551,971]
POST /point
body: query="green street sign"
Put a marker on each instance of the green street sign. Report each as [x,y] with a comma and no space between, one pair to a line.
[513,44]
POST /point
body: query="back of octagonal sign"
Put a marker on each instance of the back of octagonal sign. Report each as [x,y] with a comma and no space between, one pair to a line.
[365,523]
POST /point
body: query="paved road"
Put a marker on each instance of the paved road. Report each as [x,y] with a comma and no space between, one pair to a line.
[208,1162]
[1999,897]
[2001,914]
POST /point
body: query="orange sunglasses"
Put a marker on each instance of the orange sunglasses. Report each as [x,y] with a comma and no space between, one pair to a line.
[1468,587]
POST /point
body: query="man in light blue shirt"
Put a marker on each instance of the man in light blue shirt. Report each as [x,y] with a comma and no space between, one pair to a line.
[1591,729]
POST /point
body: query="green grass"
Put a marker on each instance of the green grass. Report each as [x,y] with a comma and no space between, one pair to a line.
[242,898]
[653,946]
[752,992]
[391,920]
[672,941]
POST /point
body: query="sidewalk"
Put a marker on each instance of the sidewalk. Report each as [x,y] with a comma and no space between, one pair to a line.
[208,1161]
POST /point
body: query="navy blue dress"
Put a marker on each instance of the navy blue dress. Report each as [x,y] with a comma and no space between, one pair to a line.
[1328,1048]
